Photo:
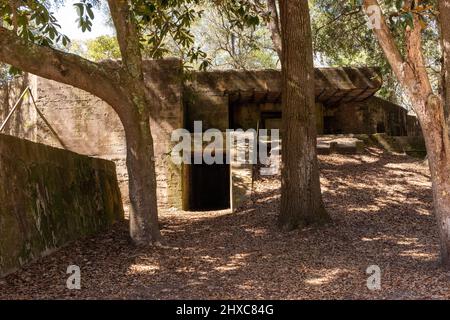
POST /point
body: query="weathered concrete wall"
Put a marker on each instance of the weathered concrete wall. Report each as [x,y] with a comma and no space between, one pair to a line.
[50,197]
[246,116]
[392,116]
[413,128]
[88,125]
[373,115]
[239,99]
[330,83]
[412,145]
[23,121]
[346,118]
[241,172]
[210,107]
[165,77]
[222,99]
[84,123]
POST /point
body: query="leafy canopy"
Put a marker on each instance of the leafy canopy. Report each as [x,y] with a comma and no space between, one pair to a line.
[342,38]
[159,22]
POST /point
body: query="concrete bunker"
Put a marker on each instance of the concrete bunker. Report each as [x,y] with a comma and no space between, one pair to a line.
[345,104]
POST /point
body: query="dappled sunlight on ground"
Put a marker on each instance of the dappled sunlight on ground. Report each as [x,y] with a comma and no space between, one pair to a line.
[321,277]
[381,210]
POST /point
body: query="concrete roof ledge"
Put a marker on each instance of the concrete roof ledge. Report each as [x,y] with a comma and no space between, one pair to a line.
[332,84]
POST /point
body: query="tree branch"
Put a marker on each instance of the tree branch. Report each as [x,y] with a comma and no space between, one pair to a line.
[13,6]
[274,26]
[339,17]
[402,70]
[127,36]
[415,56]
[60,66]
[444,17]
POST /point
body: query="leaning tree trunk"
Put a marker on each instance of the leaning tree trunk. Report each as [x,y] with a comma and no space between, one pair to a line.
[444,18]
[142,102]
[411,72]
[144,226]
[435,132]
[274,26]
[119,84]
[301,199]
[441,192]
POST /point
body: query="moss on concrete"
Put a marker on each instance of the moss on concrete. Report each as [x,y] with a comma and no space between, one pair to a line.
[413,146]
[50,197]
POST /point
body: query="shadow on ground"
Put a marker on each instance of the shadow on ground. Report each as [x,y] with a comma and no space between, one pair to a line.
[381,210]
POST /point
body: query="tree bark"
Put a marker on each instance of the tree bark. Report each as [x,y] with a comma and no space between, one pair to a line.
[275,26]
[98,79]
[301,199]
[124,88]
[435,132]
[412,75]
[144,228]
[444,18]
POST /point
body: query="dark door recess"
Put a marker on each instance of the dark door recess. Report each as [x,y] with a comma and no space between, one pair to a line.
[209,187]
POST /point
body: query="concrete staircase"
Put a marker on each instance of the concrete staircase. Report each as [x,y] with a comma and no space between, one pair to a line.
[355,144]
[342,144]
[412,146]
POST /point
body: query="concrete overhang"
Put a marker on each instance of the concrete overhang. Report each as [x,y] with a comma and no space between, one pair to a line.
[332,85]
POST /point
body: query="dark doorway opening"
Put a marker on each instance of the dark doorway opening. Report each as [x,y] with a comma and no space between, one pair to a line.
[331,125]
[380,127]
[209,187]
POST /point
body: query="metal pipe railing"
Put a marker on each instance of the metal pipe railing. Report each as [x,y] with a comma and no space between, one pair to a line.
[17,105]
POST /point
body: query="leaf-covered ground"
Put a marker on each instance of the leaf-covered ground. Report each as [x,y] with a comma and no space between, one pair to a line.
[381,209]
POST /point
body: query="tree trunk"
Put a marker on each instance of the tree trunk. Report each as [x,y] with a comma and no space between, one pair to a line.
[438,149]
[412,75]
[444,18]
[123,87]
[441,193]
[274,26]
[301,199]
[144,228]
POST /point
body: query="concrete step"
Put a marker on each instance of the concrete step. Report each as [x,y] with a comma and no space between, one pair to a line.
[339,144]
[413,146]
[328,144]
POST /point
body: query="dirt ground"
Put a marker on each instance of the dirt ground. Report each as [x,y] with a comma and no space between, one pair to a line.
[381,208]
